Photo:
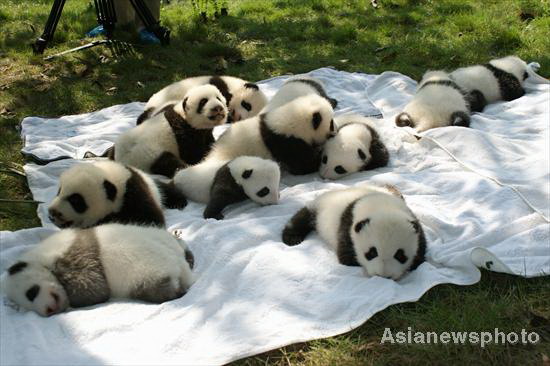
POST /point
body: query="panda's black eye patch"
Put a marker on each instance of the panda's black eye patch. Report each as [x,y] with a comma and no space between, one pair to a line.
[340,169]
[251,86]
[32,292]
[371,254]
[247,173]
[110,189]
[325,159]
[332,125]
[77,202]
[190,258]
[17,267]
[525,75]
[400,256]
[246,105]
[263,192]
[316,120]
[184,104]
[361,154]
[201,105]
[360,225]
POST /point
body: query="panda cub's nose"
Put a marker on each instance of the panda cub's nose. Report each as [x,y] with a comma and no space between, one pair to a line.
[263,192]
[217,109]
[54,214]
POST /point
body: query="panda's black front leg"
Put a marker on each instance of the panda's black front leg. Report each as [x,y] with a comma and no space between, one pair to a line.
[299,226]
[172,197]
[167,164]
[219,199]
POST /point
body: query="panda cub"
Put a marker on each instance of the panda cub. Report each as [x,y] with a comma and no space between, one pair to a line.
[91,194]
[355,147]
[366,226]
[243,99]
[83,267]
[438,102]
[291,135]
[499,79]
[296,87]
[180,135]
[219,183]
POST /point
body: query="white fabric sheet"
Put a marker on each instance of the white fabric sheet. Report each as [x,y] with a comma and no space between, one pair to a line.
[255,294]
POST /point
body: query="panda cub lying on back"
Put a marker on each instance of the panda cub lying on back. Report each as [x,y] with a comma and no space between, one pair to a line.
[438,102]
[296,87]
[83,267]
[355,147]
[219,183]
[177,136]
[95,193]
[243,99]
[366,226]
[291,135]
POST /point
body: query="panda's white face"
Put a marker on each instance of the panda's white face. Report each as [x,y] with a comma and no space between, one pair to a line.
[35,288]
[385,243]
[346,153]
[259,178]
[85,197]
[308,117]
[247,102]
[205,107]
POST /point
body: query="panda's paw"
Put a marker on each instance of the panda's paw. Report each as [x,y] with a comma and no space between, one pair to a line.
[213,215]
[291,237]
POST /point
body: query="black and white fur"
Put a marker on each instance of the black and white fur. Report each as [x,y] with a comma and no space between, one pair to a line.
[355,147]
[179,135]
[296,87]
[438,102]
[83,267]
[499,79]
[366,226]
[91,194]
[291,135]
[220,184]
[243,99]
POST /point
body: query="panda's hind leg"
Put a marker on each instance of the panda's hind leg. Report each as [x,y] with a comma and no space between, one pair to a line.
[299,226]
[172,197]
[167,164]
[158,291]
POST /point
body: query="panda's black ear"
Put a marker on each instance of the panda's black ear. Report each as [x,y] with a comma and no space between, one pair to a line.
[17,267]
[460,119]
[110,189]
[403,119]
[184,104]
[360,225]
[251,86]
[416,226]
[361,154]
[247,173]
[316,120]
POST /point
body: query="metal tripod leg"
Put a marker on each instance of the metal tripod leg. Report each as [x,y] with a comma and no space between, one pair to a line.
[152,25]
[40,44]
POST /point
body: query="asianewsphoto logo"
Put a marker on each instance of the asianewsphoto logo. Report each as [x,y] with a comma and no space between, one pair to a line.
[481,338]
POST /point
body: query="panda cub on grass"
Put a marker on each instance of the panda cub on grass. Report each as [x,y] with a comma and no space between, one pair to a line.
[291,135]
[438,102]
[366,226]
[296,87]
[499,79]
[220,184]
[95,193]
[83,267]
[177,136]
[355,147]
[243,99]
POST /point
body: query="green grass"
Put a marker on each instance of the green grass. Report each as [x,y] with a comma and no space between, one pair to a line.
[260,39]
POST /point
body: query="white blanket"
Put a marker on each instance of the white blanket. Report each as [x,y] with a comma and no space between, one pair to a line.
[255,294]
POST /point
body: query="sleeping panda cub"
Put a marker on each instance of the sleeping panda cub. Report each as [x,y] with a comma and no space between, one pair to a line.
[366,226]
[220,184]
[243,99]
[291,135]
[95,193]
[355,147]
[83,267]
[438,102]
[179,135]
[296,87]
[499,79]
